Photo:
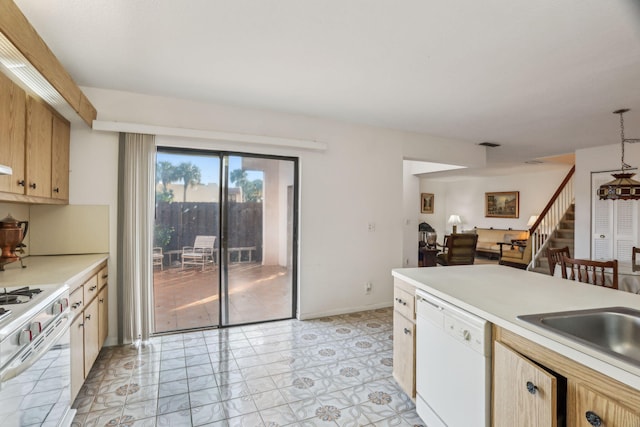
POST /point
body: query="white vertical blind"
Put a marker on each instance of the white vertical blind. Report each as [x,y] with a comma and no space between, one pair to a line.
[138,200]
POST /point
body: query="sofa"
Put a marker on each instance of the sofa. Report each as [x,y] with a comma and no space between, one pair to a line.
[488,239]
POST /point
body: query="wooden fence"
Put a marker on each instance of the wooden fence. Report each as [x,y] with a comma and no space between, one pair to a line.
[191,219]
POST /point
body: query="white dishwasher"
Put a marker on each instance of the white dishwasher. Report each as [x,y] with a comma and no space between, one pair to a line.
[453,365]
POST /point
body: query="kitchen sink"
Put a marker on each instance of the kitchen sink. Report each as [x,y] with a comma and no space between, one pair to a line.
[613,330]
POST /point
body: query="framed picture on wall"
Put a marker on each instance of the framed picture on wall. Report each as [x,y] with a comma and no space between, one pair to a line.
[426,203]
[503,204]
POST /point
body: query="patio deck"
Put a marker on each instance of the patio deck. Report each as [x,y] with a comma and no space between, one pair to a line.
[188,299]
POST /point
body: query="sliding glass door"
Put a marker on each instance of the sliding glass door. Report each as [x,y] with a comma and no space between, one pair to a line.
[258,239]
[224,239]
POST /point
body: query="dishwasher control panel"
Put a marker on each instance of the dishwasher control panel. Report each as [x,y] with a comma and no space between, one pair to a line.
[464,332]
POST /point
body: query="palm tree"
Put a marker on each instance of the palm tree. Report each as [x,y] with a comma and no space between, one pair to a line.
[165,174]
[189,174]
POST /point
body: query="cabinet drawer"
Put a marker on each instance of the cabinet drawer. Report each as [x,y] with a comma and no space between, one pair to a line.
[404,303]
[76,301]
[103,277]
[90,289]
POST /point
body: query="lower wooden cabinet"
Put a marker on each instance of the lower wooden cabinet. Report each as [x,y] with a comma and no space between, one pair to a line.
[103,316]
[595,409]
[91,344]
[404,362]
[404,340]
[77,355]
[537,387]
[520,383]
[89,328]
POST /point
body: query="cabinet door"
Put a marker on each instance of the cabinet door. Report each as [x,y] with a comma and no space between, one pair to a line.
[524,394]
[12,132]
[593,409]
[38,149]
[91,345]
[404,353]
[103,316]
[60,159]
[77,355]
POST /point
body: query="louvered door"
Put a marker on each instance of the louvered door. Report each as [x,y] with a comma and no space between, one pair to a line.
[614,224]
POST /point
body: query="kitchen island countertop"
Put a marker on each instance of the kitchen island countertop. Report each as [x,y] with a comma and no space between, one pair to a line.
[499,294]
[50,269]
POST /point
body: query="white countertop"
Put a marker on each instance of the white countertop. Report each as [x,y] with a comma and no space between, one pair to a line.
[51,269]
[499,294]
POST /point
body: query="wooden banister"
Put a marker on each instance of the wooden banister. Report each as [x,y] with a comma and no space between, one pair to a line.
[552,200]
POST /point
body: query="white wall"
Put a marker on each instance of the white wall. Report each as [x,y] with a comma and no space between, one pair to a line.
[356,181]
[466,198]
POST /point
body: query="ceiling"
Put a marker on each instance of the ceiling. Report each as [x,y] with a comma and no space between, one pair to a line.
[539,77]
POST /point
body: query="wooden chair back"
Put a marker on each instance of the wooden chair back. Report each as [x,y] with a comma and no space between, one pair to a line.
[554,256]
[634,266]
[599,273]
[460,249]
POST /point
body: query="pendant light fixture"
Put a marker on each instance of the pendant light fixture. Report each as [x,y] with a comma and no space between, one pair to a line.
[623,187]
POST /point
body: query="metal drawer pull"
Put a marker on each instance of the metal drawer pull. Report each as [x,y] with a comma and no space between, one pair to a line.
[531,388]
[33,185]
[93,288]
[593,419]
[407,331]
[400,301]
[88,317]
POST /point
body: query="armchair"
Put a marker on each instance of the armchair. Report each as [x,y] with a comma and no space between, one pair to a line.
[460,249]
[516,254]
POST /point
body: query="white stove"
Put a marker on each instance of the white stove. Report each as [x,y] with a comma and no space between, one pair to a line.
[27,312]
[35,364]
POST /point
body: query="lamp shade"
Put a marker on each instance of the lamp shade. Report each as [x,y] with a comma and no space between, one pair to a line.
[454,219]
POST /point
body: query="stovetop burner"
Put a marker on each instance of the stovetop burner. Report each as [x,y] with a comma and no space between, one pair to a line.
[13,296]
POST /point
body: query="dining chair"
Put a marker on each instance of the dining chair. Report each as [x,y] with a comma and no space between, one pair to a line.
[554,256]
[599,273]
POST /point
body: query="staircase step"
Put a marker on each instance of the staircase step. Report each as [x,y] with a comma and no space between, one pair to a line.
[564,234]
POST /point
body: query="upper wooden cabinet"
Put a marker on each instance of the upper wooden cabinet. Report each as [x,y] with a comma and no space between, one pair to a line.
[37,148]
[60,159]
[12,134]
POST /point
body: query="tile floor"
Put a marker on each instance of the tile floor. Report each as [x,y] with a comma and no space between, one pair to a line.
[334,371]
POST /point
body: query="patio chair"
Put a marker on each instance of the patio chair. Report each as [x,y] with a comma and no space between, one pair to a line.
[158,257]
[201,253]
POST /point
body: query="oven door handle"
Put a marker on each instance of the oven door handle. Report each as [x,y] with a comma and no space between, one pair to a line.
[16,367]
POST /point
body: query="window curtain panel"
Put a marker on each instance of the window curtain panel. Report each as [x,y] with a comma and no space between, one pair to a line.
[137,241]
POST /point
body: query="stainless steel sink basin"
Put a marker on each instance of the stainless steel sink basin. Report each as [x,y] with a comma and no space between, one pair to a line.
[613,330]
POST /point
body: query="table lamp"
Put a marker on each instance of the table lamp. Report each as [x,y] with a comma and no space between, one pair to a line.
[454,220]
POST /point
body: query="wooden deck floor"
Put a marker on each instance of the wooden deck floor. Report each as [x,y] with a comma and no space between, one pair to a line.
[188,299]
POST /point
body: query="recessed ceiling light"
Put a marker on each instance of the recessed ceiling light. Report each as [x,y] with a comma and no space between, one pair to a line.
[489,144]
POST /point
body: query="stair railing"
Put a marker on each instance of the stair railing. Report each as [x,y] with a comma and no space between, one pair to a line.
[550,217]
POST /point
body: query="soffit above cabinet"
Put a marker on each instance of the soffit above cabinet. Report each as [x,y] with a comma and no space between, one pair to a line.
[26,56]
